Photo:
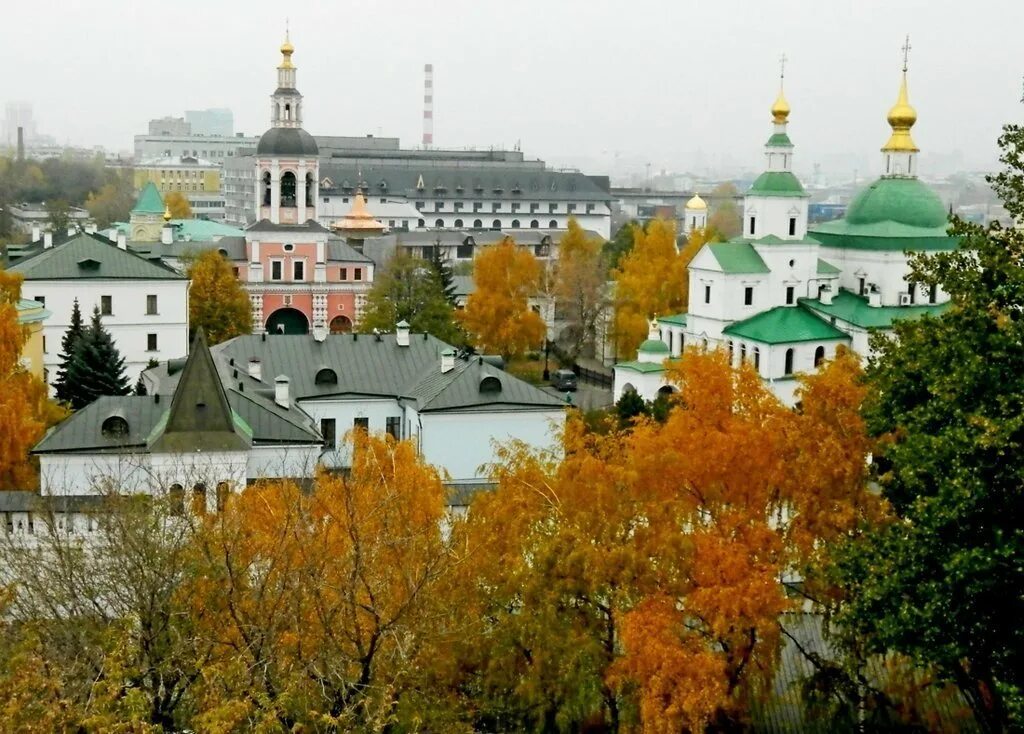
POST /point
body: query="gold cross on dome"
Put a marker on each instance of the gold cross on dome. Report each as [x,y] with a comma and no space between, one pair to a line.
[906,52]
[782,66]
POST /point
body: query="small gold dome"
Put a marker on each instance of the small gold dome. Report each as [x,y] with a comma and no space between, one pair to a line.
[901,118]
[696,203]
[167,213]
[780,110]
[287,49]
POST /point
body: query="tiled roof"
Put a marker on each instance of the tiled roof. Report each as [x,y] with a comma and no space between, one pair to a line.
[88,256]
[854,309]
[784,325]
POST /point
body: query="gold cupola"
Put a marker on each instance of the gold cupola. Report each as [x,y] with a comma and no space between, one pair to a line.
[287,49]
[167,212]
[901,118]
[780,109]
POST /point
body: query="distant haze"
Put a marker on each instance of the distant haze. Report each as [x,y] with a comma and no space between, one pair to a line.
[609,86]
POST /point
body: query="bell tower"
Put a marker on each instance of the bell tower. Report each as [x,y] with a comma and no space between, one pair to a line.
[286,102]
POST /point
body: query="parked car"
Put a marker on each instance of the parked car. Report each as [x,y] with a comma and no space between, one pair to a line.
[563,380]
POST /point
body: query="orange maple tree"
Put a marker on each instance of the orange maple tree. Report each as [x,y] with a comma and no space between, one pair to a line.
[498,315]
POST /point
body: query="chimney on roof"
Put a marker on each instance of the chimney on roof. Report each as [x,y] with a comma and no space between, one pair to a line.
[122,241]
[90,228]
[447,360]
[825,295]
[281,391]
[47,240]
[166,234]
[874,296]
[72,229]
[255,369]
[402,333]
[36,233]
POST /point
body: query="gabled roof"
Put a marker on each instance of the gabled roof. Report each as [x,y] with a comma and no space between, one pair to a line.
[737,257]
[265,225]
[827,268]
[150,201]
[678,319]
[471,385]
[784,325]
[855,310]
[89,256]
[200,417]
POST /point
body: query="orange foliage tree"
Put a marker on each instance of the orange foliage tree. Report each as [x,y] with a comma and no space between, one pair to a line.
[318,603]
[498,316]
[650,281]
[579,287]
[25,408]
[641,573]
[177,204]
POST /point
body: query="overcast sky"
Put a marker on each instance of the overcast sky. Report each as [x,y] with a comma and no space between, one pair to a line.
[600,83]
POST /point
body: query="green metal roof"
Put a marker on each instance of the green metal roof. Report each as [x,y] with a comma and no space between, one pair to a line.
[827,268]
[678,319]
[777,183]
[783,325]
[89,256]
[779,140]
[738,257]
[854,309]
[654,346]
[642,367]
[891,214]
[150,201]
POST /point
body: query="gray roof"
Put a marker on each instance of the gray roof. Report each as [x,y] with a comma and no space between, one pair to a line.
[29,501]
[233,248]
[371,367]
[287,141]
[88,256]
[265,225]
[460,182]
[82,431]
[340,251]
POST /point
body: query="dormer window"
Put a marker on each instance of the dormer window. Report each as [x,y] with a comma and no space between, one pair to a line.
[114,426]
[326,376]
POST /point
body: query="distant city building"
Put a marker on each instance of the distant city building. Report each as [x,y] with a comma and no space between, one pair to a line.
[215,121]
[34,217]
[176,126]
[218,148]
[197,179]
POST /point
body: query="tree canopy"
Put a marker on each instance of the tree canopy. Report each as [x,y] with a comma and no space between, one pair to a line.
[178,205]
[218,303]
[96,367]
[498,316]
[725,216]
[410,289]
[579,289]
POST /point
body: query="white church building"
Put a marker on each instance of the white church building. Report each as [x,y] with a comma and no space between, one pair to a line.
[784,296]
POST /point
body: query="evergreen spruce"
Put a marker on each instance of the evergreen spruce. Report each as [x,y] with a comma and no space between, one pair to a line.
[96,368]
[443,267]
[67,351]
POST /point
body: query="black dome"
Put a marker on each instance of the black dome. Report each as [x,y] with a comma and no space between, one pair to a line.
[287,141]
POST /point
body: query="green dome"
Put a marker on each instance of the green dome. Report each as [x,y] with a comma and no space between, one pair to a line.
[654,346]
[903,200]
[776,183]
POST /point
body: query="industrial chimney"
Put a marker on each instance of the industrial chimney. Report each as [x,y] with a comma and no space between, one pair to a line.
[428,105]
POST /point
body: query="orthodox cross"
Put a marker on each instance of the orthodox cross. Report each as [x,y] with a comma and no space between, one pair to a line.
[906,52]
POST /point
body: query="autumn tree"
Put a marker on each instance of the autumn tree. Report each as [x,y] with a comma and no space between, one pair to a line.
[111,203]
[650,282]
[58,212]
[409,289]
[725,216]
[25,408]
[636,580]
[318,603]
[579,287]
[619,246]
[178,205]
[498,316]
[96,367]
[941,582]
[218,303]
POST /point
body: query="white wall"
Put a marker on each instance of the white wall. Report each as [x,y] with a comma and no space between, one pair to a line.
[81,474]
[460,443]
[646,384]
[886,269]
[128,324]
[772,214]
[282,462]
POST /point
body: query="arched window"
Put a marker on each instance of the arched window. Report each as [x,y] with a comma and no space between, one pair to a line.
[490,384]
[515,224]
[287,111]
[496,224]
[421,223]
[757,358]
[176,499]
[743,353]
[534,224]
[788,369]
[288,189]
[266,188]
[477,224]
[730,351]
[223,493]
[819,356]
[309,189]
[439,223]
[325,375]
[114,427]
[458,223]
[199,498]
[553,224]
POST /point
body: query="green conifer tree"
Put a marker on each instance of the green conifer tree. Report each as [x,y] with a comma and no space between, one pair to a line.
[96,368]
[443,267]
[67,351]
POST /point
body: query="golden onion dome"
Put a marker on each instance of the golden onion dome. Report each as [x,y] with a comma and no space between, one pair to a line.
[287,49]
[167,213]
[901,118]
[780,110]
[696,203]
